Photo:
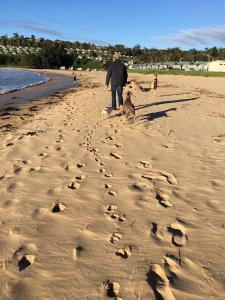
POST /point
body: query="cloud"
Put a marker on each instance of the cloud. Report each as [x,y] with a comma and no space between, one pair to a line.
[195,37]
[39,28]
[33,26]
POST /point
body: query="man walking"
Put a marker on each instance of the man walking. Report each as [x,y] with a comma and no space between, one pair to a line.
[117,73]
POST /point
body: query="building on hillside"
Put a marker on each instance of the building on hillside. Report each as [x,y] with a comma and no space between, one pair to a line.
[217,66]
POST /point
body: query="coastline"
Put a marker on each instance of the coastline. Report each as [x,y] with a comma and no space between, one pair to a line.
[56,83]
[23,106]
[42,78]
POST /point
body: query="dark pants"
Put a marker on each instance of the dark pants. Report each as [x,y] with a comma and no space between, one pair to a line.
[119,90]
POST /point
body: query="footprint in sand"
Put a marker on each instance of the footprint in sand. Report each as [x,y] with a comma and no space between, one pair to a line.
[118,146]
[2,177]
[17,169]
[34,169]
[77,252]
[140,187]
[112,193]
[26,261]
[58,207]
[60,139]
[145,164]
[74,185]
[113,212]
[26,161]
[160,176]
[124,252]
[108,175]
[9,144]
[116,155]
[80,177]
[108,186]
[14,186]
[179,237]
[116,236]
[95,150]
[81,165]
[155,232]
[220,139]
[160,283]
[111,138]
[22,258]
[163,199]
[44,154]
[10,203]
[112,289]
[172,265]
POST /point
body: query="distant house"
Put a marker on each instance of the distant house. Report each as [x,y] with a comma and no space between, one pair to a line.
[62,68]
[163,67]
[217,66]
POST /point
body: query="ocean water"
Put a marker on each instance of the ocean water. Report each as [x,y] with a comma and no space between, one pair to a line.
[12,79]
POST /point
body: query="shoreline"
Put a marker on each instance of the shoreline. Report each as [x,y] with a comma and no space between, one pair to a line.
[21,107]
[55,84]
[10,91]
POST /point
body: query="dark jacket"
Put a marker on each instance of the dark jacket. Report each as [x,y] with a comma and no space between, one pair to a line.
[117,72]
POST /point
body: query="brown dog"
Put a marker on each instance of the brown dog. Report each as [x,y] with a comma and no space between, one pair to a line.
[129,108]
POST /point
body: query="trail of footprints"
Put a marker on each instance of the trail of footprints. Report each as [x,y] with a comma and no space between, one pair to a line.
[175,232]
[157,274]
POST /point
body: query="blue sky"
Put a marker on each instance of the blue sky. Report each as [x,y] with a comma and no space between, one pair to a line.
[150,23]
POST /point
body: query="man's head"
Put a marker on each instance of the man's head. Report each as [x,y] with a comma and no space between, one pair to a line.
[116,56]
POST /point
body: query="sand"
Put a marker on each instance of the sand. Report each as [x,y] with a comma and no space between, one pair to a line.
[102,209]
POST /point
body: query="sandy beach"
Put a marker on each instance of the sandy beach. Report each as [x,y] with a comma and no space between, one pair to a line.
[101,209]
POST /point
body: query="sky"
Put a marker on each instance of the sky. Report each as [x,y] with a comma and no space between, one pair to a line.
[151,23]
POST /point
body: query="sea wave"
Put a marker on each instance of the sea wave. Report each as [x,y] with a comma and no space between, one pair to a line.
[12,80]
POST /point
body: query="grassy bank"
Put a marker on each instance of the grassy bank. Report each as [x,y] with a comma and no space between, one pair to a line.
[15,67]
[185,73]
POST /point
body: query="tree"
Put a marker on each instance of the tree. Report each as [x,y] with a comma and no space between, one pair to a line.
[54,56]
[136,50]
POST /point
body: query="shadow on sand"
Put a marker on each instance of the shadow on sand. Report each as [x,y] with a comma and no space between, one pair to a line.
[156,115]
[145,90]
[141,106]
[179,94]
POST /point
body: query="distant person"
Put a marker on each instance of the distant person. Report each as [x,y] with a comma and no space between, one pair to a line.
[155,82]
[154,85]
[74,76]
[117,73]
